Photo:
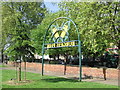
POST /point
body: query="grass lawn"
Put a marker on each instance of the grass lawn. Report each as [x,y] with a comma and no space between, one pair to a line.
[1,65]
[37,81]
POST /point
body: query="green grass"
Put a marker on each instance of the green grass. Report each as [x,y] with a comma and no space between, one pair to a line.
[49,82]
[3,65]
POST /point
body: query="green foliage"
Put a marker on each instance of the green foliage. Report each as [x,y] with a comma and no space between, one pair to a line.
[98,24]
[37,35]
[19,18]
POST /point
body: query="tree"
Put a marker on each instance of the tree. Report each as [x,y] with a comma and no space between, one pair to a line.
[19,18]
[98,23]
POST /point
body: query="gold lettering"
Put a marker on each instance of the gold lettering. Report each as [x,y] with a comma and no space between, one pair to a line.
[69,43]
[54,45]
[61,44]
[51,45]
[48,46]
[66,43]
[57,44]
[73,43]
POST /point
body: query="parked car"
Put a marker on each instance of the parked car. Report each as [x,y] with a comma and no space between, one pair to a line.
[110,58]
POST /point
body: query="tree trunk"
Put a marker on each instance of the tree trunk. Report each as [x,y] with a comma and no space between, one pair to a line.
[118,67]
[19,71]
[54,57]
[25,70]
[16,69]
[2,56]
[65,67]
[58,56]
[104,73]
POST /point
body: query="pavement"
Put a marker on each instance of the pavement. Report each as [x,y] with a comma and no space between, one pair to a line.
[70,76]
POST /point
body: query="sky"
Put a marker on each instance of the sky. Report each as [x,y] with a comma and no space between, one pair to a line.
[51,6]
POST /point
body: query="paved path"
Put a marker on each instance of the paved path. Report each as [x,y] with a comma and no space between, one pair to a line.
[71,76]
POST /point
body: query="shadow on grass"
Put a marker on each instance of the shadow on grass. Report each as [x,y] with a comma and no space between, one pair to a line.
[54,80]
